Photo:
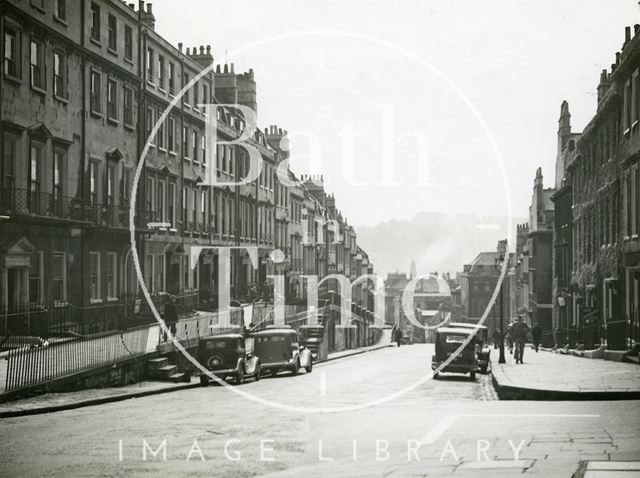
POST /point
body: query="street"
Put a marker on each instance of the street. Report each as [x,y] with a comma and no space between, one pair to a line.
[443,427]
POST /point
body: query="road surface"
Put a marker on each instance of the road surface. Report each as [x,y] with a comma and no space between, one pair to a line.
[449,427]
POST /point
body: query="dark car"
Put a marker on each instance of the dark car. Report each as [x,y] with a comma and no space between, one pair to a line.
[226,356]
[483,350]
[448,341]
[278,349]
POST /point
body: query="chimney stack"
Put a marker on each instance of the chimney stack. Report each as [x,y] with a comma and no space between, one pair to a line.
[148,19]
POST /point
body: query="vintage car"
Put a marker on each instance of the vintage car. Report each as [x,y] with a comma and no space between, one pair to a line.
[483,350]
[227,356]
[278,349]
[448,341]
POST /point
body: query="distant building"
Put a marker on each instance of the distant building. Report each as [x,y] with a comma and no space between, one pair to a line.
[563,319]
[478,282]
[539,247]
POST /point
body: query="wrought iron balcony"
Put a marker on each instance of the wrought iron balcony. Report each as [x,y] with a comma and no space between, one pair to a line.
[36,204]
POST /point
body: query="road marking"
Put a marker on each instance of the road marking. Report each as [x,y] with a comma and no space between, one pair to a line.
[444,424]
[323,383]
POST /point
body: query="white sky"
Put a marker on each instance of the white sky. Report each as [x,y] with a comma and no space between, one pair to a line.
[515,60]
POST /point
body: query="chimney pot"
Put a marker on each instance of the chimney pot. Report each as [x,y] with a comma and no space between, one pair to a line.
[617,58]
[627,34]
[132,6]
[208,49]
[180,47]
[226,68]
[149,8]
[187,51]
[636,28]
[201,50]
[231,67]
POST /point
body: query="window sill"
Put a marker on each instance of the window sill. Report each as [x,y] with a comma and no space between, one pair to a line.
[96,114]
[112,51]
[61,99]
[162,90]
[113,121]
[95,301]
[13,79]
[164,150]
[129,60]
[60,20]
[172,153]
[38,90]
[95,41]
[129,126]
[112,299]
[151,83]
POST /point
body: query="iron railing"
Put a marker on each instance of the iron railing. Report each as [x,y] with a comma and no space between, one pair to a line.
[15,201]
[35,365]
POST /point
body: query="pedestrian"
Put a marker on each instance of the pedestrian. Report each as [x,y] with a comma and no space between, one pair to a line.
[496,339]
[170,316]
[509,337]
[536,332]
[398,336]
[519,331]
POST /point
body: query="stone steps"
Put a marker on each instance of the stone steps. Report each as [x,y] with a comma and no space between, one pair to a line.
[160,369]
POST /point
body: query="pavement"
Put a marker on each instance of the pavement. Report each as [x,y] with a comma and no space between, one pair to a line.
[373,414]
[54,402]
[549,376]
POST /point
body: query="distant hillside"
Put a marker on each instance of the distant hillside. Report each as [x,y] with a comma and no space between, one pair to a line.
[436,241]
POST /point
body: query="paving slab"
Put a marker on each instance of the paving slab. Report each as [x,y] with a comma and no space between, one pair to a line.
[549,376]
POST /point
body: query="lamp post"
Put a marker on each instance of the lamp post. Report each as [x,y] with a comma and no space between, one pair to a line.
[498,265]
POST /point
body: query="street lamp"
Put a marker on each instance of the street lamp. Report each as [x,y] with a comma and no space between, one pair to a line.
[498,265]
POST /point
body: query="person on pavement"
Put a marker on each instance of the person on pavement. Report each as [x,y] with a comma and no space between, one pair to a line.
[398,336]
[536,333]
[170,315]
[519,332]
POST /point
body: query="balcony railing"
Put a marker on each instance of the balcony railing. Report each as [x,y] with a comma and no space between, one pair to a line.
[22,202]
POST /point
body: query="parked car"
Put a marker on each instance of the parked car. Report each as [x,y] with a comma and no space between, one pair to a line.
[226,355]
[483,349]
[278,349]
[448,341]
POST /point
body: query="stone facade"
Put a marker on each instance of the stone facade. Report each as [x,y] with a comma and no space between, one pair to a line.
[84,87]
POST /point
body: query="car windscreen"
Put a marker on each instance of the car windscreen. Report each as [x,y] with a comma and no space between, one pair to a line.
[218,344]
[270,339]
[455,339]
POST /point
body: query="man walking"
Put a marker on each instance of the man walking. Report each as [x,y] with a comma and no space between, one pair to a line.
[398,336]
[519,332]
[536,333]
[170,315]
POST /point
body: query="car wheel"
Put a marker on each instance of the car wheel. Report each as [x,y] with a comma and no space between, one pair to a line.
[296,368]
[435,376]
[472,375]
[258,372]
[309,367]
[204,380]
[240,375]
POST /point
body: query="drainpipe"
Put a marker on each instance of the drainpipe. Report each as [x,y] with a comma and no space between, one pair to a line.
[83,147]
